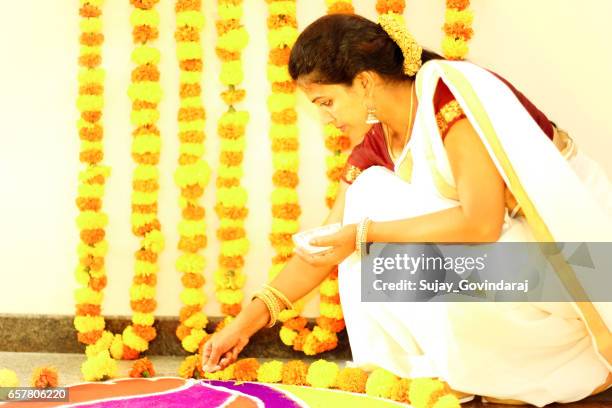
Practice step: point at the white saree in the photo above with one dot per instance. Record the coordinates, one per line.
(537, 353)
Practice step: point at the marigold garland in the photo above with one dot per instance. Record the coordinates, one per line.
(457, 29)
(142, 368)
(192, 174)
(419, 392)
(231, 196)
(45, 377)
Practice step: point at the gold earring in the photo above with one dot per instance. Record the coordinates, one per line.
(372, 118)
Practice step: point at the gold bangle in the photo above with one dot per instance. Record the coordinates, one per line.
(271, 304)
(361, 235)
(280, 295)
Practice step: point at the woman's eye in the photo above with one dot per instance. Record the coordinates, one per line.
(326, 103)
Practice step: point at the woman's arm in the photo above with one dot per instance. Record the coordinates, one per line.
(480, 187)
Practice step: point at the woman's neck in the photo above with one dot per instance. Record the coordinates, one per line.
(394, 109)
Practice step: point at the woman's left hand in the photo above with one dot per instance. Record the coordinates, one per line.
(342, 243)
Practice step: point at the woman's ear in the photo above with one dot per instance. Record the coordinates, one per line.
(364, 83)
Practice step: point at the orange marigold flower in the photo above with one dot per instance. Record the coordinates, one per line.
(231, 262)
(91, 89)
(146, 158)
(188, 90)
(285, 117)
(192, 192)
(91, 116)
(145, 72)
(230, 233)
(186, 159)
(234, 213)
(231, 310)
(146, 129)
(294, 372)
(192, 280)
(89, 337)
(91, 39)
(142, 368)
(93, 156)
(191, 65)
(341, 7)
(192, 244)
(276, 21)
(335, 173)
(89, 11)
(97, 284)
(86, 309)
(182, 331)
(45, 377)
(280, 144)
(300, 339)
(224, 26)
(144, 208)
(90, 60)
(245, 369)
(146, 228)
(280, 239)
(231, 158)
(390, 6)
(400, 390)
(193, 212)
(187, 5)
(297, 323)
(338, 143)
(148, 333)
(459, 30)
(280, 259)
(143, 305)
(145, 185)
(186, 34)
(92, 236)
(458, 4)
(187, 311)
(192, 136)
(233, 96)
(129, 353)
(226, 56)
(230, 131)
(284, 87)
(150, 279)
(144, 4)
(191, 114)
(227, 182)
(93, 133)
(285, 178)
(88, 204)
(352, 380)
(144, 33)
(333, 325)
(287, 211)
(330, 299)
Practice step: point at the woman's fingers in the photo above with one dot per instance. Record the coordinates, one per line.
(214, 354)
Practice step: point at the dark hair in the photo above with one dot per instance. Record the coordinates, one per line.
(336, 47)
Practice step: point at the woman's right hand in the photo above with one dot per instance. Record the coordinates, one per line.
(223, 347)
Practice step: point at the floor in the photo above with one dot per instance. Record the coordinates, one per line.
(69, 368)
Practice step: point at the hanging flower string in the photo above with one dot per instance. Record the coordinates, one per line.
(192, 174)
(457, 29)
(145, 93)
(231, 196)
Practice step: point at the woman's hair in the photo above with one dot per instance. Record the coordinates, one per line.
(336, 47)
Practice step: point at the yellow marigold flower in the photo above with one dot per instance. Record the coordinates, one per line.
(287, 8)
(190, 263)
(329, 287)
(284, 249)
(148, 17)
(87, 50)
(280, 101)
(188, 366)
(285, 161)
(139, 292)
(197, 173)
(82, 277)
(231, 73)
(222, 375)
(191, 102)
(138, 219)
(91, 25)
(332, 189)
(87, 145)
(284, 195)
(229, 11)
(87, 76)
(270, 372)
(134, 341)
(421, 390)
(230, 172)
(192, 125)
(454, 49)
(154, 241)
(188, 50)
(100, 249)
(230, 297)
(229, 280)
(144, 117)
(146, 172)
(190, 18)
(103, 343)
(192, 296)
(230, 145)
(142, 198)
(322, 374)
(90, 102)
(453, 16)
(86, 324)
(94, 171)
(91, 220)
(97, 3)
(148, 91)
(233, 196)
(229, 223)
(190, 77)
(197, 320)
(278, 73)
(238, 118)
(235, 247)
(282, 131)
(285, 226)
(99, 367)
(146, 144)
(336, 160)
(330, 130)
(145, 55)
(287, 336)
(284, 36)
(143, 319)
(8, 378)
(234, 40)
(194, 149)
(189, 228)
(380, 382)
(192, 341)
(88, 295)
(447, 401)
(145, 268)
(331, 310)
(287, 314)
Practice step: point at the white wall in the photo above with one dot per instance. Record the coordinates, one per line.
(555, 51)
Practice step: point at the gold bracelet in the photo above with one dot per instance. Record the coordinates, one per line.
(272, 305)
(280, 295)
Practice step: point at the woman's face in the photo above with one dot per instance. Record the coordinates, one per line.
(340, 105)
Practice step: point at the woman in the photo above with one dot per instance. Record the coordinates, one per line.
(451, 153)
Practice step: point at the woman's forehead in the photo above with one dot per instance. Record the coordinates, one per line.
(314, 90)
